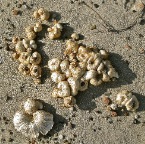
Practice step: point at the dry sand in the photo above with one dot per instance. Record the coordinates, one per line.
(83, 125)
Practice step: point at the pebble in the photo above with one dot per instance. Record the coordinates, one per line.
(106, 100)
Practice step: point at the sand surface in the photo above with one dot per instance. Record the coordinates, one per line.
(84, 125)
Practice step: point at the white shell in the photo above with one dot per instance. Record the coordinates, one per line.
(90, 74)
(56, 76)
(54, 64)
(32, 105)
(33, 125)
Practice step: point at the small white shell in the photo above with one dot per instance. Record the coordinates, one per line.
(32, 105)
(26, 43)
(71, 47)
(69, 101)
(24, 57)
(64, 89)
(104, 54)
(35, 58)
(38, 27)
(112, 73)
(64, 65)
(95, 82)
(75, 36)
(77, 72)
(74, 84)
(31, 35)
(90, 74)
(35, 71)
(24, 69)
(54, 64)
(19, 47)
(56, 76)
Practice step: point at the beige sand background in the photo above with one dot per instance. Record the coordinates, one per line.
(83, 125)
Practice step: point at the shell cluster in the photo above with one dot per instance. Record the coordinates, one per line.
(127, 99)
(81, 66)
(26, 49)
(32, 120)
(29, 58)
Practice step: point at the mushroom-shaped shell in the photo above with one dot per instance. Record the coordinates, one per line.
(35, 58)
(35, 71)
(54, 64)
(33, 125)
(32, 105)
(19, 47)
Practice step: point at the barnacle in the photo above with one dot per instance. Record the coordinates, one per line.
(32, 105)
(69, 101)
(83, 84)
(55, 31)
(71, 47)
(64, 89)
(105, 77)
(31, 35)
(125, 98)
(112, 73)
(75, 36)
(74, 85)
(95, 81)
(64, 65)
(93, 62)
(54, 64)
(24, 58)
(35, 71)
(19, 47)
(90, 74)
(38, 27)
(33, 125)
(104, 54)
(44, 14)
(56, 76)
(35, 58)
(77, 72)
(24, 69)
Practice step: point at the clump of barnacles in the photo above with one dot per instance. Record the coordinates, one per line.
(29, 58)
(81, 66)
(32, 120)
(125, 102)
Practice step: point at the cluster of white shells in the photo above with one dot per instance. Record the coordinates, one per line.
(29, 58)
(81, 66)
(32, 120)
(127, 99)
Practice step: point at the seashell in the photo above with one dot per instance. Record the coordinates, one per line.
(54, 64)
(38, 27)
(64, 65)
(104, 54)
(35, 71)
(100, 68)
(19, 47)
(105, 77)
(83, 84)
(138, 6)
(55, 31)
(31, 35)
(56, 76)
(71, 47)
(24, 69)
(24, 58)
(69, 101)
(35, 58)
(132, 104)
(64, 89)
(93, 63)
(112, 73)
(32, 105)
(33, 45)
(26, 43)
(95, 82)
(33, 125)
(77, 72)
(74, 85)
(90, 74)
(75, 36)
